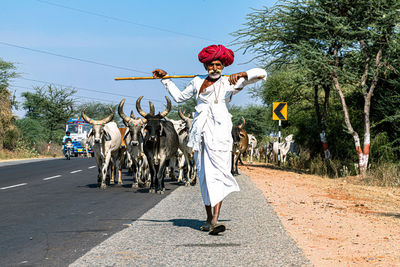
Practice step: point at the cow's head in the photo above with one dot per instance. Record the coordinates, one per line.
(98, 132)
(134, 124)
(238, 133)
(186, 119)
(153, 129)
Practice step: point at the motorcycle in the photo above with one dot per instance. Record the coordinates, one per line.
(68, 148)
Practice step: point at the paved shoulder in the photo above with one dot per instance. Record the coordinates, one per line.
(168, 235)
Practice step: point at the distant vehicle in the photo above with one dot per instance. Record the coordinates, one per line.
(78, 129)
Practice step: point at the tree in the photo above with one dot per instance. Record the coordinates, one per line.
(329, 37)
(187, 107)
(7, 120)
(257, 118)
(385, 112)
(33, 131)
(286, 84)
(52, 106)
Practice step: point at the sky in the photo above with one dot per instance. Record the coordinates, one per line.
(86, 44)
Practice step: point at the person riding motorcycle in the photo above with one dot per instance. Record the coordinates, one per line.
(66, 138)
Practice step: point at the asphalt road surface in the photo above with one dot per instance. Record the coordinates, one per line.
(52, 212)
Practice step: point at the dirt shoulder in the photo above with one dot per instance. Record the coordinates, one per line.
(334, 221)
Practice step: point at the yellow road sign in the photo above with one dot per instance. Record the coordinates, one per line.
(279, 111)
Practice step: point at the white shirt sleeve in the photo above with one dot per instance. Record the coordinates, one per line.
(253, 76)
(178, 95)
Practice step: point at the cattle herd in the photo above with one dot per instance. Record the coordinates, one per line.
(154, 146)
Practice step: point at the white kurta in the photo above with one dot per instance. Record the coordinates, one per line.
(210, 135)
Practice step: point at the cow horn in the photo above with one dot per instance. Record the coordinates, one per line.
(121, 111)
(181, 114)
(86, 118)
(133, 115)
(152, 110)
(139, 108)
(241, 126)
(109, 118)
(168, 109)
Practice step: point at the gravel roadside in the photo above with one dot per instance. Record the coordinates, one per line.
(168, 235)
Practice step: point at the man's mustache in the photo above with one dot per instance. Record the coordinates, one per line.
(215, 72)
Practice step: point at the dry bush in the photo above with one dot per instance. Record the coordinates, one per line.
(318, 166)
(332, 168)
(301, 161)
(54, 150)
(385, 174)
(22, 150)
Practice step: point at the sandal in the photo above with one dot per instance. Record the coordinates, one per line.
(217, 228)
(205, 227)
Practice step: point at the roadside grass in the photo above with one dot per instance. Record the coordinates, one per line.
(384, 174)
(24, 151)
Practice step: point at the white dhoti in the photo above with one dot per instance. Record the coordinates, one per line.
(214, 172)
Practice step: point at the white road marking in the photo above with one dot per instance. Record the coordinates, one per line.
(52, 177)
(11, 186)
(91, 167)
(76, 171)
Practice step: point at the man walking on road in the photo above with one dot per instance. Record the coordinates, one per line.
(210, 134)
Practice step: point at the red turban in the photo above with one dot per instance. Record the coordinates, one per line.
(214, 52)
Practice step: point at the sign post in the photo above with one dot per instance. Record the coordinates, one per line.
(279, 113)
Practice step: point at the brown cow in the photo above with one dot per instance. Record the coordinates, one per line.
(240, 144)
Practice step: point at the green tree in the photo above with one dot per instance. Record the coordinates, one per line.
(7, 120)
(99, 111)
(286, 84)
(331, 36)
(187, 107)
(33, 130)
(385, 111)
(258, 119)
(52, 106)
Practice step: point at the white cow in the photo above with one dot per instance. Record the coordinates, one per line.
(251, 149)
(188, 152)
(185, 153)
(106, 143)
(284, 147)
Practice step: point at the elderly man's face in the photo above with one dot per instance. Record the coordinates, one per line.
(214, 69)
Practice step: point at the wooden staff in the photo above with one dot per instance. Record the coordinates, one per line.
(152, 78)
(165, 77)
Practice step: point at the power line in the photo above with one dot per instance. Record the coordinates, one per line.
(124, 20)
(69, 57)
(90, 90)
(80, 100)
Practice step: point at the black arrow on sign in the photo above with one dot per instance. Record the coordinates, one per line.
(278, 109)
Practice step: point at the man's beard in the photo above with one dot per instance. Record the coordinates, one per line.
(214, 74)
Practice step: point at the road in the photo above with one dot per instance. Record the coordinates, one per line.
(52, 211)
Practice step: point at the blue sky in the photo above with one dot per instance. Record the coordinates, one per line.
(132, 37)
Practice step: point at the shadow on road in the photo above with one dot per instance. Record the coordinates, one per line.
(191, 223)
